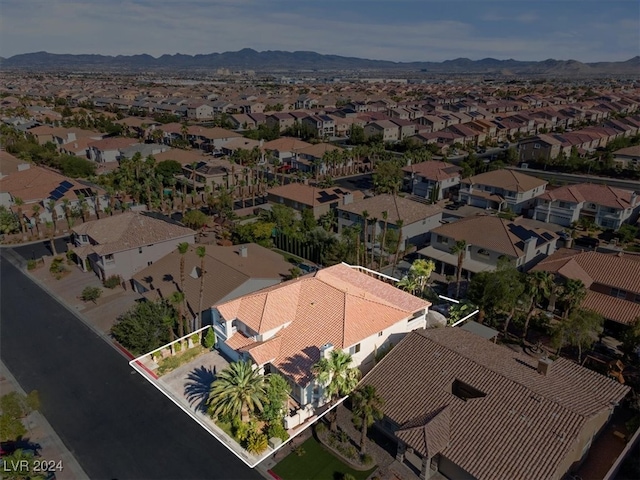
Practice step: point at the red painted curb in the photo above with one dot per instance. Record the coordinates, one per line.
(270, 472)
(124, 350)
(147, 370)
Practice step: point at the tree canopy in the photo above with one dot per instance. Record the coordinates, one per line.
(145, 327)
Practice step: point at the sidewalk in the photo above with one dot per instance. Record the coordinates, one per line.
(39, 431)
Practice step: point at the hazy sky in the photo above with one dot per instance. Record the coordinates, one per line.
(400, 30)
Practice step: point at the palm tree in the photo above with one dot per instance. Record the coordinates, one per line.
(177, 300)
(539, 285)
(409, 283)
(460, 249)
(51, 205)
(374, 227)
(52, 234)
(238, 391)
(182, 249)
(367, 408)
(201, 252)
(19, 203)
(399, 224)
(572, 295)
(35, 210)
(66, 206)
(365, 231)
(337, 376)
(385, 218)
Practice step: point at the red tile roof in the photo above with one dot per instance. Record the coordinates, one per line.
(604, 195)
(434, 170)
(337, 305)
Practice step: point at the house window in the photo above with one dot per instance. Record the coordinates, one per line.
(139, 249)
(109, 257)
(482, 251)
(149, 263)
(618, 293)
(355, 349)
(85, 239)
(380, 333)
(440, 239)
(536, 145)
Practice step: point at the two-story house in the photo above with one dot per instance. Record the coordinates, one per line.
(612, 281)
(288, 328)
(417, 218)
(124, 244)
(109, 149)
(282, 120)
(432, 179)
(389, 131)
(501, 189)
(488, 239)
(323, 125)
(606, 206)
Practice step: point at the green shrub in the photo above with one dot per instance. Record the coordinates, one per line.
(57, 268)
(343, 436)
(91, 294)
(257, 443)
(31, 264)
(112, 282)
(209, 339)
(366, 459)
(277, 430)
(177, 347)
(321, 427)
(348, 476)
(194, 339)
(299, 451)
(171, 363)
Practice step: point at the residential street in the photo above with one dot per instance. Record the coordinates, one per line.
(113, 421)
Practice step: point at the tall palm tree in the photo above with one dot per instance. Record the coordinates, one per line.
(459, 249)
(19, 203)
(35, 210)
(399, 224)
(238, 391)
(374, 227)
(337, 376)
(365, 231)
(572, 294)
(201, 252)
(539, 286)
(367, 408)
(66, 206)
(385, 218)
(177, 300)
(182, 250)
(52, 235)
(51, 205)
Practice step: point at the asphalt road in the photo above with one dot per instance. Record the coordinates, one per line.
(117, 425)
(39, 249)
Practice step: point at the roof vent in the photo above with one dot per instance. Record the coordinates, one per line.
(244, 251)
(195, 273)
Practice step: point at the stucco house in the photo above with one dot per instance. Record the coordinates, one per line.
(287, 328)
(606, 206)
(501, 189)
(417, 218)
(320, 200)
(432, 179)
(488, 239)
(125, 244)
(459, 406)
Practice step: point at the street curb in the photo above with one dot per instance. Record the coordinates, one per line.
(20, 263)
(69, 461)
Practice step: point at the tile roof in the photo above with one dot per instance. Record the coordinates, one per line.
(397, 208)
(317, 150)
(337, 305)
(434, 170)
(604, 195)
(506, 179)
(522, 424)
(36, 183)
(308, 194)
(112, 143)
(285, 144)
(494, 233)
(129, 230)
(600, 270)
(226, 273)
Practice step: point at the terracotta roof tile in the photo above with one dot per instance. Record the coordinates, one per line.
(506, 179)
(434, 170)
(604, 195)
(337, 305)
(400, 208)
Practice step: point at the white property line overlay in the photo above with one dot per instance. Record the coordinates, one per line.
(142, 371)
(358, 267)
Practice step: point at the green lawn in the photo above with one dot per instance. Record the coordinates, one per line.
(316, 464)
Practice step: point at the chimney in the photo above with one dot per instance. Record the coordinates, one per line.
(634, 197)
(244, 251)
(530, 247)
(325, 350)
(544, 366)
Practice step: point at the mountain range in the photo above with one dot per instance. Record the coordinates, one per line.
(281, 60)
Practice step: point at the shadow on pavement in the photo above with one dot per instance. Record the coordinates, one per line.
(198, 386)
